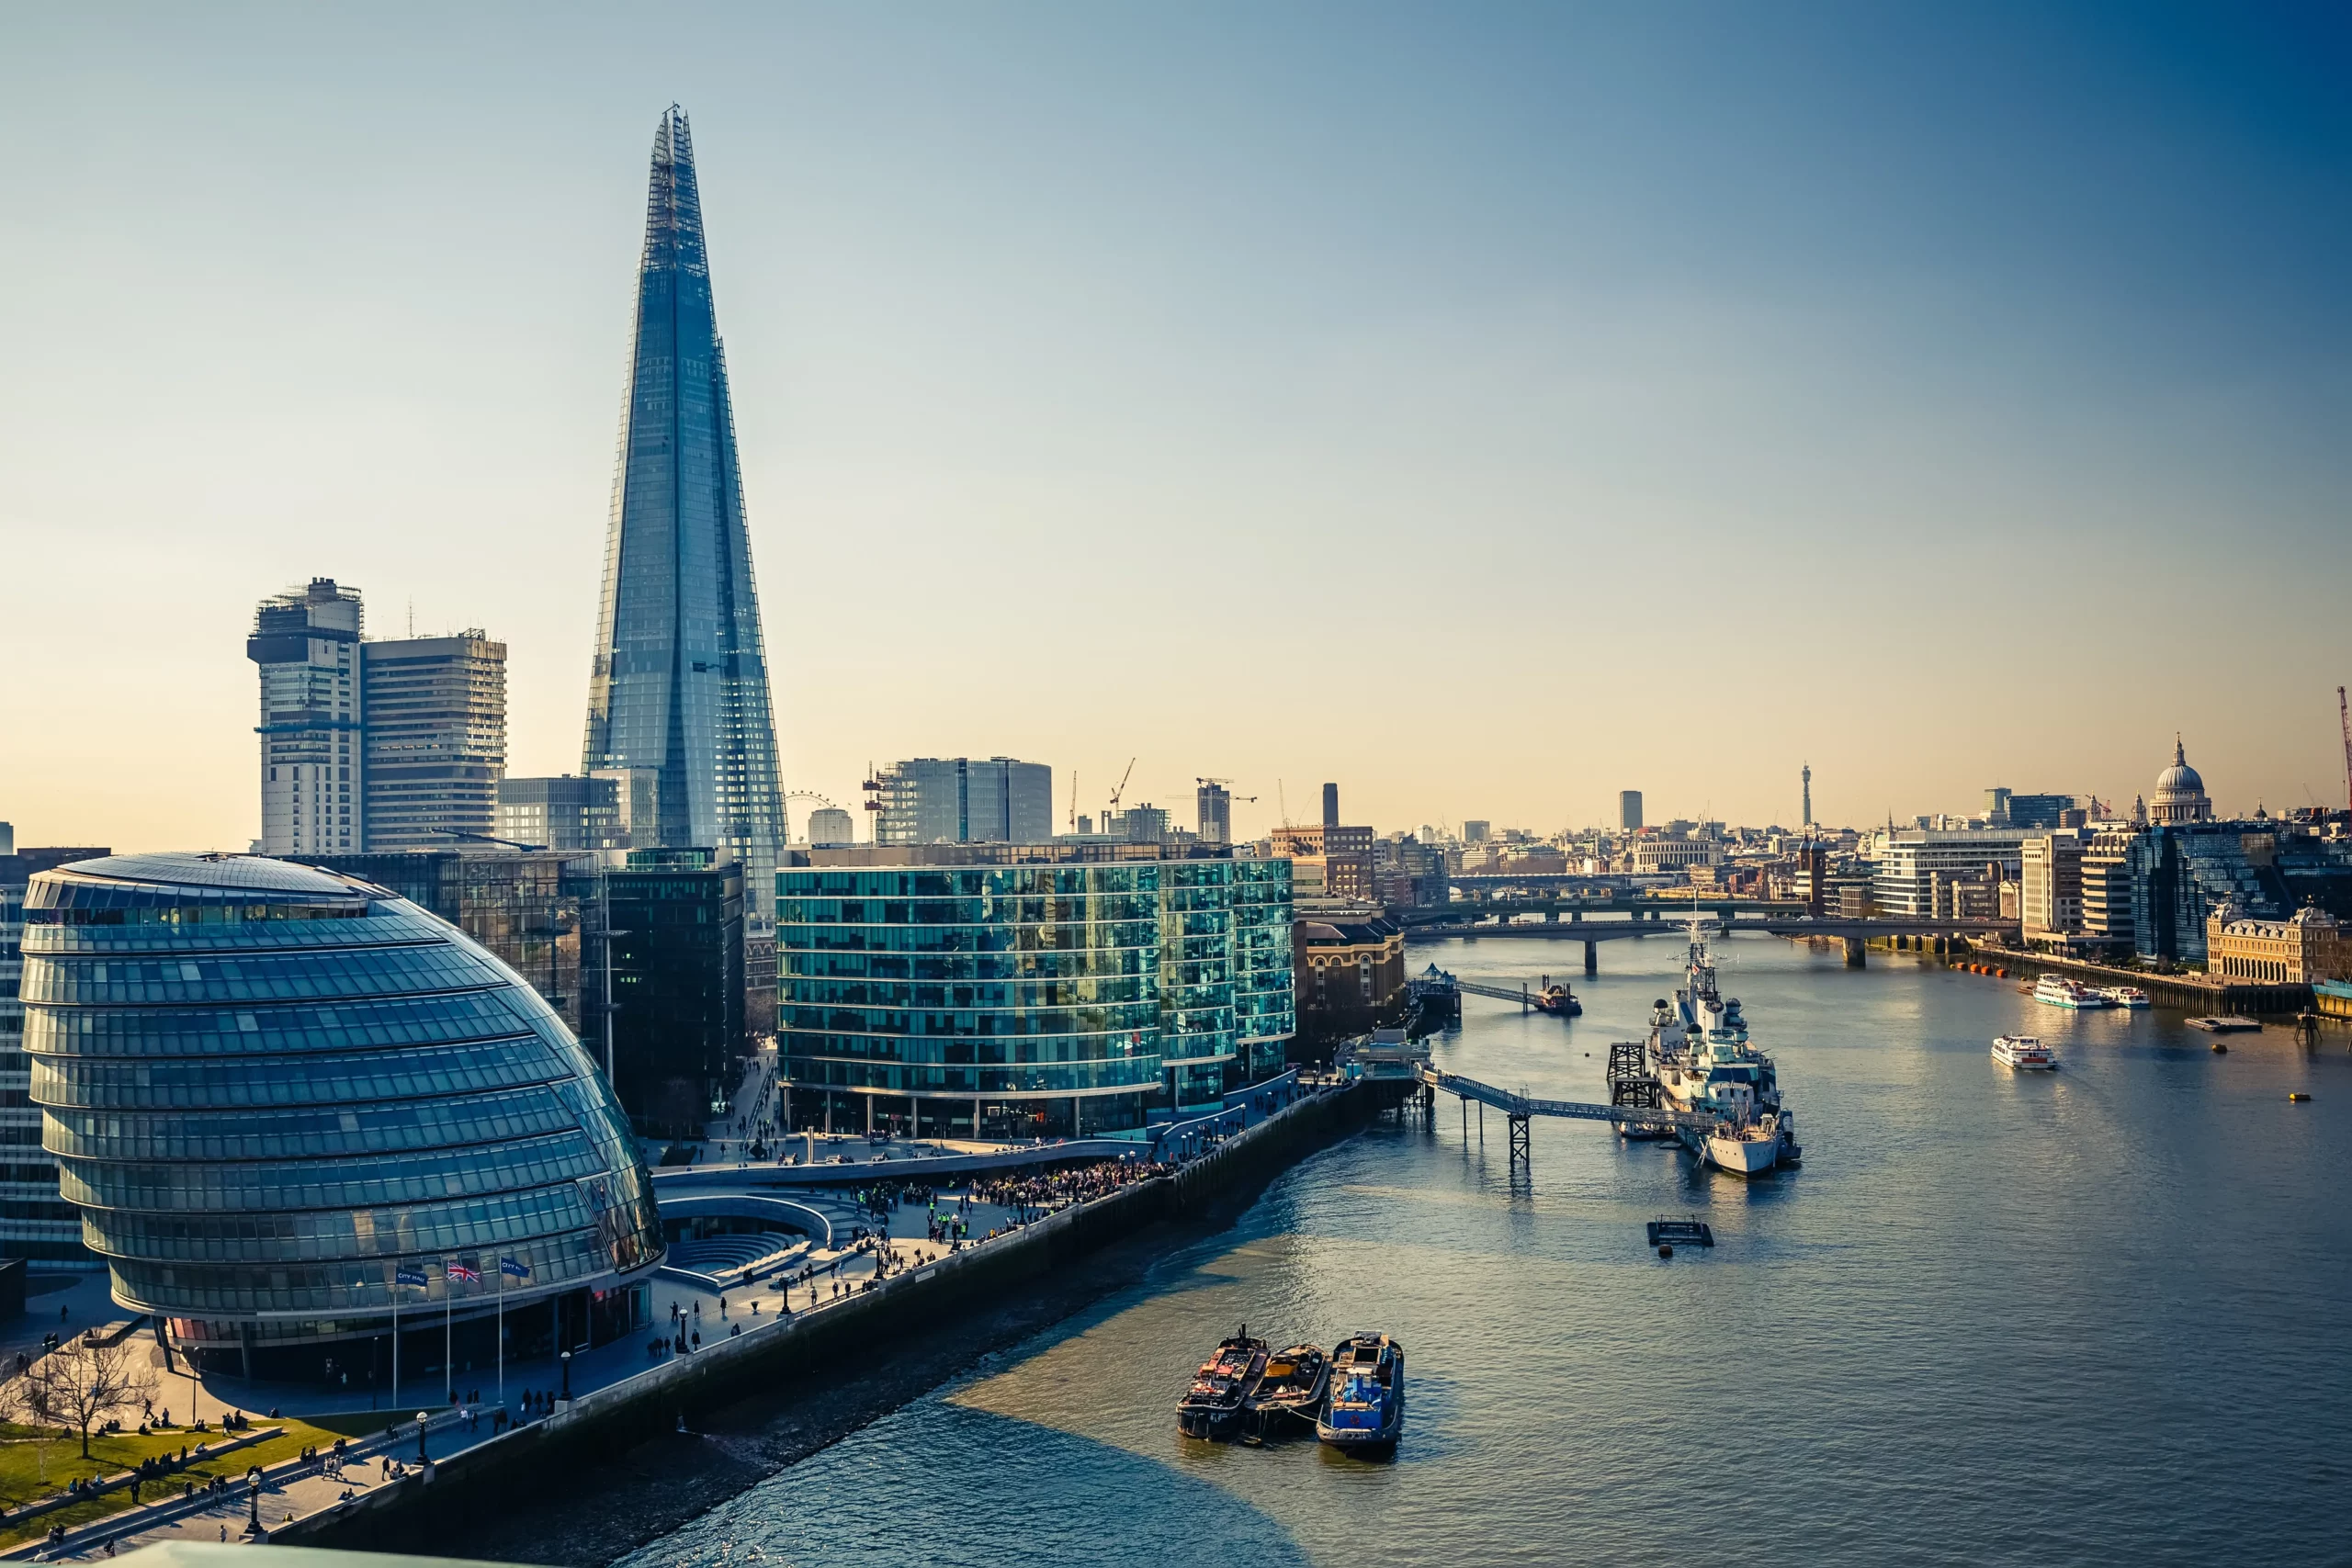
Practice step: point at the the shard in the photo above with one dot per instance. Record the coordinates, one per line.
(680, 681)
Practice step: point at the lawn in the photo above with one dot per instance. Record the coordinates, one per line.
(23, 1455)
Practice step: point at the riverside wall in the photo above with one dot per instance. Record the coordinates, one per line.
(416, 1514)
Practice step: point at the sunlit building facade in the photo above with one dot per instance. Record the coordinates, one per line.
(274, 1092)
(1020, 994)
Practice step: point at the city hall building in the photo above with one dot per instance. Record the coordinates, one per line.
(287, 1103)
(1019, 990)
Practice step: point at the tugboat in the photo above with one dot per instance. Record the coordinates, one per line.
(1291, 1391)
(1366, 1410)
(1211, 1408)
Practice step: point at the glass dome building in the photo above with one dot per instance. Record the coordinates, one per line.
(279, 1098)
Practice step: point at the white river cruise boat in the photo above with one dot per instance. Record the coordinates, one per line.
(1705, 1066)
(2124, 996)
(2024, 1052)
(2060, 992)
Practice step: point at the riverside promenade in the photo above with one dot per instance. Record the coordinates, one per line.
(922, 1289)
(826, 1299)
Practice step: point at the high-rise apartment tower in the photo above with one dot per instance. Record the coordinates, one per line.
(679, 682)
(372, 746)
(1629, 810)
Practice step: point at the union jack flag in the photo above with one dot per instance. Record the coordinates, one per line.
(461, 1269)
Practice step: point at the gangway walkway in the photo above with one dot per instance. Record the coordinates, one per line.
(1524, 995)
(1518, 1109)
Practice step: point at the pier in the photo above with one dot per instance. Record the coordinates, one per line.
(1519, 1110)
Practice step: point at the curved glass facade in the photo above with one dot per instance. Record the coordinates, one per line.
(270, 1088)
(1020, 999)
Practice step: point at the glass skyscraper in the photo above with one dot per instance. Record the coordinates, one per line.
(679, 685)
(286, 1102)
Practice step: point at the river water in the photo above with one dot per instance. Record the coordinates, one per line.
(2101, 1316)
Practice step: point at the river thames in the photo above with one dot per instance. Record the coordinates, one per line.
(2095, 1317)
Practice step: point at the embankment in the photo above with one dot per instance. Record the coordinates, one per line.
(613, 1471)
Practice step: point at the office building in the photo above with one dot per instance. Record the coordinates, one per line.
(306, 642)
(964, 800)
(273, 1093)
(1265, 986)
(1330, 862)
(2008, 808)
(1476, 830)
(1140, 824)
(569, 813)
(1028, 989)
(1629, 811)
(519, 905)
(1330, 805)
(636, 806)
(1909, 858)
(831, 825)
(682, 994)
(433, 718)
(1212, 805)
(2107, 889)
(679, 682)
(2051, 884)
(368, 745)
(35, 1222)
(2308, 945)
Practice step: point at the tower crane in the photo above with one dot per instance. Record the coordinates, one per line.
(1123, 786)
(2344, 713)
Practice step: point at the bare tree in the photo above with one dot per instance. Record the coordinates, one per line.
(79, 1384)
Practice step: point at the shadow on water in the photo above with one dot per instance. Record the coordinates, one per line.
(970, 1504)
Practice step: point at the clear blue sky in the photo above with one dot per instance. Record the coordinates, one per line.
(1490, 408)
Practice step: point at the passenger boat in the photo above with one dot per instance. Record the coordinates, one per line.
(1557, 1000)
(2124, 996)
(1291, 1393)
(2060, 992)
(2024, 1052)
(1699, 1053)
(1212, 1406)
(1366, 1409)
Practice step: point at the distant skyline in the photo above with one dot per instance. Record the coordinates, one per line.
(1490, 411)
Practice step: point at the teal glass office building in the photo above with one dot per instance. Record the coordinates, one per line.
(273, 1091)
(1027, 999)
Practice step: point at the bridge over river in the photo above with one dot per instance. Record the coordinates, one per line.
(1854, 932)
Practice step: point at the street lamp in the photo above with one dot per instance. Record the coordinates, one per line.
(566, 1359)
(253, 1518)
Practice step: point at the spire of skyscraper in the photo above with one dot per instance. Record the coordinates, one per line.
(680, 680)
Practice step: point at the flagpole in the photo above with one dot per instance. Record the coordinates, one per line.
(396, 1336)
(448, 1363)
(502, 1333)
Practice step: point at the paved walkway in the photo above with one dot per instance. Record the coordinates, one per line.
(825, 1275)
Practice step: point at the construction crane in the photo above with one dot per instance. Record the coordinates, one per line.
(1227, 786)
(1118, 791)
(2344, 713)
(1073, 800)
